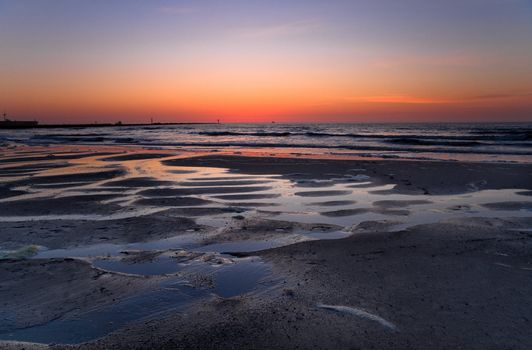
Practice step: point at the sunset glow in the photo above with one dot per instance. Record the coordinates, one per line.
(242, 61)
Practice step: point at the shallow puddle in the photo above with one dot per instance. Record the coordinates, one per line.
(240, 276)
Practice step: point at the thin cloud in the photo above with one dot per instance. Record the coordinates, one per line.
(176, 10)
(401, 99)
(450, 60)
(500, 96)
(408, 99)
(281, 30)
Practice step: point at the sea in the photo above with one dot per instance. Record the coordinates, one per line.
(494, 142)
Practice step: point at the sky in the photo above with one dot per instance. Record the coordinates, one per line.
(64, 61)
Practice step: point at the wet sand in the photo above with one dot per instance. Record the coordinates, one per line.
(72, 286)
(434, 177)
(460, 282)
(57, 234)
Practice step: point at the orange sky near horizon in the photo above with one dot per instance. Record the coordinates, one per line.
(201, 62)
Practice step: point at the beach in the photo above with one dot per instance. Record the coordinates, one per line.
(265, 175)
(124, 247)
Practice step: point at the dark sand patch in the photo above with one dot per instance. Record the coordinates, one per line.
(346, 212)
(236, 197)
(393, 191)
(358, 211)
(181, 171)
(375, 226)
(6, 192)
(33, 166)
(172, 201)
(393, 212)
(500, 224)
(30, 168)
(400, 203)
(322, 193)
(332, 203)
(16, 175)
(161, 192)
(201, 211)
(137, 156)
(84, 204)
(459, 207)
(139, 182)
(260, 229)
(52, 156)
(509, 205)
(62, 185)
(66, 178)
(18, 345)
(253, 204)
(57, 234)
(224, 178)
(223, 183)
(100, 189)
(38, 290)
(412, 177)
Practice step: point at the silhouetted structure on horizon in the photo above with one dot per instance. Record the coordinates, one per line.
(12, 124)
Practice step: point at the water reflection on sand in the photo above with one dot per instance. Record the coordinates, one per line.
(238, 212)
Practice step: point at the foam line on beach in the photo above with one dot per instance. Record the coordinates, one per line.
(358, 313)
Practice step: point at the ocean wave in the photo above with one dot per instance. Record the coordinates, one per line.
(69, 135)
(521, 136)
(60, 138)
(387, 140)
(404, 144)
(504, 134)
(128, 140)
(235, 133)
(433, 142)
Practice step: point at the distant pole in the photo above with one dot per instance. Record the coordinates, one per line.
(218, 121)
(151, 120)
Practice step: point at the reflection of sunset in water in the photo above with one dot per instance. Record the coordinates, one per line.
(147, 184)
